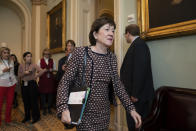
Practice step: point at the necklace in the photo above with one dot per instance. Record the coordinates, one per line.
(6, 63)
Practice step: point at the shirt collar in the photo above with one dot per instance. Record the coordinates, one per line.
(134, 38)
(46, 59)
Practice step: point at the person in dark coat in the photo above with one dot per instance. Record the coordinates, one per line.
(136, 74)
(101, 68)
(47, 85)
(70, 45)
(62, 64)
(16, 65)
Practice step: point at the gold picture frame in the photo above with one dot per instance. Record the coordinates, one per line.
(185, 25)
(56, 19)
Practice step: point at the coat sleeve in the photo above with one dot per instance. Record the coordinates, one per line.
(66, 81)
(60, 65)
(141, 58)
(119, 88)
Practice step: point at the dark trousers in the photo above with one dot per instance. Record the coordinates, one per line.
(15, 102)
(46, 100)
(30, 100)
(143, 108)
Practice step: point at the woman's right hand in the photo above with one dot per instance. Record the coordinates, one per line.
(6, 69)
(137, 118)
(65, 118)
(26, 72)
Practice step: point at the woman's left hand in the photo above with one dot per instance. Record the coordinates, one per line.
(137, 118)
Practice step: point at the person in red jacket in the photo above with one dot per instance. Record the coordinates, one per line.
(47, 81)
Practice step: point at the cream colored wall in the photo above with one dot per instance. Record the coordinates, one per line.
(86, 17)
(28, 4)
(11, 30)
(52, 3)
(20, 12)
(129, 7)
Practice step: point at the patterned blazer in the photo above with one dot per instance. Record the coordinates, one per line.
(99, 86)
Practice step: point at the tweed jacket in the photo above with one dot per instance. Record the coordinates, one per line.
(100, 69)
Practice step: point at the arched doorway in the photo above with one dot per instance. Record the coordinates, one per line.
(16, 19)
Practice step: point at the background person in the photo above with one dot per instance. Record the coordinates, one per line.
(17, 89)
(47, 85)
(7, 82)
(136, 74)
(70, 45)
(29, 72)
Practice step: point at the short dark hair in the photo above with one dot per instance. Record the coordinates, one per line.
(132, 29)
(97, 24)
(69, 41)
(26, 53)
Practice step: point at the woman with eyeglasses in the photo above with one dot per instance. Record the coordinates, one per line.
(47, 81)
(7, 82)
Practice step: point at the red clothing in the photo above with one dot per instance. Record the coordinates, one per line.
(47, 80)
(7, 92)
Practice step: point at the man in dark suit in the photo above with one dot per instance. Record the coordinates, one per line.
(69, 48)
(136, 74)
(70, 45)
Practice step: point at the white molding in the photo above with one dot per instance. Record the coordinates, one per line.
(74, 21)
(27, 23)
(37, 32)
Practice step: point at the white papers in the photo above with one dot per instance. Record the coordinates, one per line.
(76, 97)
(25, 83)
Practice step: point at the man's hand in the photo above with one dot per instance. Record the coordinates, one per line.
(137, 118)
(65, 118)
(64, 67)
(134, 99)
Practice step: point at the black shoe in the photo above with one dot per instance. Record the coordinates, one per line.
(49, 111)
(25, 120)
(36, 120)
(67, 126)
(15, 105)
(15, 102)
(44, 112)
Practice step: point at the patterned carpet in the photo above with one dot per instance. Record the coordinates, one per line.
(47, 123)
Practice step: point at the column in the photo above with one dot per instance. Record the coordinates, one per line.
(39, 24)
(120, 117)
